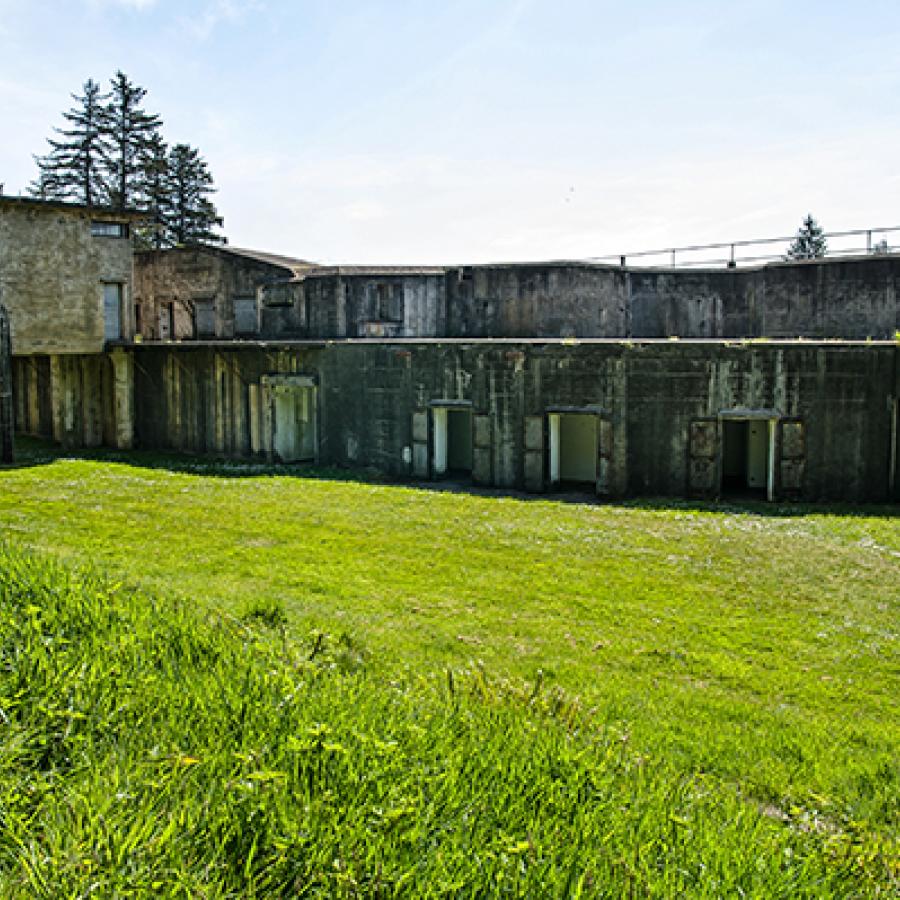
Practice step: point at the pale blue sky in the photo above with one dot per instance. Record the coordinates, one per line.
(452, 131)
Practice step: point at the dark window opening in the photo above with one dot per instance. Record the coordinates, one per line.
(205, 318)
(109, 229)
(112, 311)
(386, 302)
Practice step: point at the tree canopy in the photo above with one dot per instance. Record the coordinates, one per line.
(111, 152)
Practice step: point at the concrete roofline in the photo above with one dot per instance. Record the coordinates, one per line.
(739, 343)
(63, 205)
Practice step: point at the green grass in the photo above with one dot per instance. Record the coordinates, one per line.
(150, 751)
(745, 655)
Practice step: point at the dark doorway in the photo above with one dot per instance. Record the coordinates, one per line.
(452, 431)
(745, 457)
(459, 441)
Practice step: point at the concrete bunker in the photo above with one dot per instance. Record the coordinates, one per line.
(452, 447)
(748, 453)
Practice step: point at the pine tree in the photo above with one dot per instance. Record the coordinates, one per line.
(193, 215)
(129, 130)
(155, 196)
(73, 170)
(810, 241)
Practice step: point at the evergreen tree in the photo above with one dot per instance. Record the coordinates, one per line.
(155, 196)
(129, 130)
(73, 170)
(192, 215)
(810, 241)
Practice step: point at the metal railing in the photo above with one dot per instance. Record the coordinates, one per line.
(839, 243)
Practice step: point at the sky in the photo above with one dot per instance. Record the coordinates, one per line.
(453, 131)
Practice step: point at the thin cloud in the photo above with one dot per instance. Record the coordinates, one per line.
(219, 12)
(137, 5)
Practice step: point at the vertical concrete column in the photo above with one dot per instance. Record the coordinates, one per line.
(33, 401)
(219, 392)
(253, 397)
(6, 390)
(57, 398)
(90, 401)
(123, 395)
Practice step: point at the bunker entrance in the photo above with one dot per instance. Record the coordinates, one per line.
(574, 445)
(747, 457)
(452, 441)
(294, 438)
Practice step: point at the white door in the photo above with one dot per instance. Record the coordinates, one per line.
(757, 453)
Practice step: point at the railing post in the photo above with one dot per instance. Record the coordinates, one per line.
(868, 242)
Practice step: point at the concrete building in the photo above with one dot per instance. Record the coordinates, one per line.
(66, 281)
(208, 292)
(778, 382)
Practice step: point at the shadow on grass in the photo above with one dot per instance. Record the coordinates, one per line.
(31, 452)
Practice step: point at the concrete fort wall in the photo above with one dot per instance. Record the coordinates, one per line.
(662, 414)
(78, 400)
(211, 293)
(853, 298)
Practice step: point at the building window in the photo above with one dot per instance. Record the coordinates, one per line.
(205, 318)
(112, 312)
(386, 302)
(245, 321)
(109, 229)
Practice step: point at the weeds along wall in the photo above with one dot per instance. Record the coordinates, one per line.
(660, 412)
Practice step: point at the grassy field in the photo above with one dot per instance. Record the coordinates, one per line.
(744, 659)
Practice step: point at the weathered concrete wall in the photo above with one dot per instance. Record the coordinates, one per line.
(6, 402)
(833, 298)
(351, 302)
(78, 400)
(185, 278)
(52, 272)
(660, 408)
(207, 399)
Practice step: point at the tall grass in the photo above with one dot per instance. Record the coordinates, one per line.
(151, 750)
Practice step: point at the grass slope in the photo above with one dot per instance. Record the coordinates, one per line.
(151, 751)
(755, 651)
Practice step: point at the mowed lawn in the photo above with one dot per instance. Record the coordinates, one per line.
(755, 645)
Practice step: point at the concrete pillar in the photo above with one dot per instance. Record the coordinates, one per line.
(57, 398)
(91, 401)
(123, 390)
(6, 397)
